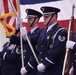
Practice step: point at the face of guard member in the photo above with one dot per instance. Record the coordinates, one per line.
(30, 20)
(33, 21)
(47, 18)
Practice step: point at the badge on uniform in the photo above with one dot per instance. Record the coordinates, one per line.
(61, 38)
(18, 50)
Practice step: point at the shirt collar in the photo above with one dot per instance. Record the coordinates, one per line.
(33, 29)
(49, 27)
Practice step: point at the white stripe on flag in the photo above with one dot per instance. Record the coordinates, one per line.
(12, 20)
(1, 7)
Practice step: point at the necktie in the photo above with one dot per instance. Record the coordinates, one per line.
(46, 29)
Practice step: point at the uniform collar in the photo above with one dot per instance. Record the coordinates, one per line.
(50, 27)
(33, 29)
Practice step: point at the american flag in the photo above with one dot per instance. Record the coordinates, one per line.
(7, 16)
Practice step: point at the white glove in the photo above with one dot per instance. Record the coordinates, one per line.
(41, 67)
(23, 31)
(23, 70)
(70, 44)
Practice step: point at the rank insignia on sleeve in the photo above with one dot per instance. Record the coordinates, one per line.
(61, 38)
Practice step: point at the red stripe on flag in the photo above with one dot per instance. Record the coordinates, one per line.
(15, 4)
(5, 2)
(14, 24)
(8, 19)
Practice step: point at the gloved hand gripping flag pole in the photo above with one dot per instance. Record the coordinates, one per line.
(25, 36)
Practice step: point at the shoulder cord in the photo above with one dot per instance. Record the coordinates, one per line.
(52, 37)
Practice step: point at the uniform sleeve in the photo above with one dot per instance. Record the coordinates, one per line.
(32, 64)
(1, 54)
(74, 48)
(11, 56)
(74, 39)
(4, 50)
(58, 50)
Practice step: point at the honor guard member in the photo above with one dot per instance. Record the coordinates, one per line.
(72, 45)
(51, 44)
(33, 18)
(10, 55)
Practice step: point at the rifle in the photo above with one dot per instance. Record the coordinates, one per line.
(68, 55)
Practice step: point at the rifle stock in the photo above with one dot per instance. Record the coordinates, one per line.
(68, 55)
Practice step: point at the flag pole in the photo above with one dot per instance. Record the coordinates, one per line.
(25, 36)
(20, 36)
